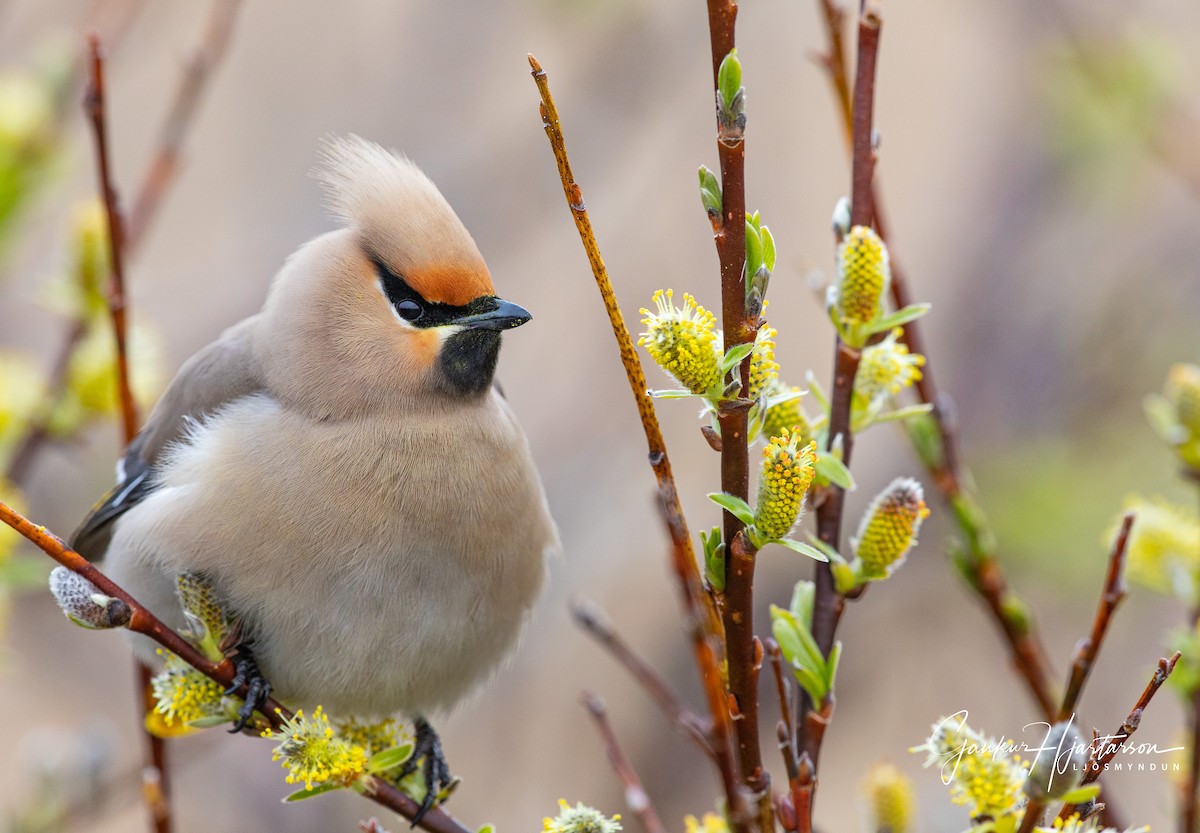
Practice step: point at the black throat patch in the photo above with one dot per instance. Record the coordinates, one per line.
(468, 361)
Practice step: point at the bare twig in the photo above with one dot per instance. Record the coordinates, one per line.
(629, 358)
(94, 104)
(979, 562)
(785, 700)
(165, 164)
(1110, 597)
(594, 622)
(635, 793)
(1105, 748)
(146, 623)
(721, 735)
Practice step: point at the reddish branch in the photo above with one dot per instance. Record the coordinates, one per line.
(629, 358)
(705, 648)
(1110, 597)
(146, 623)
(980, 564)
(593, 621)
(1105, 748)
(729, 234)
(635, 793)
(94, 104)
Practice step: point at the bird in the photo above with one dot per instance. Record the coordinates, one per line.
(343, 471)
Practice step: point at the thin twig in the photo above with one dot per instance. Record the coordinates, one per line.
(635, 794)
(146, 623)
(162, 168)
(1105, 748)
(705, 650)
(594, 622)
(629, 357)
(979, 562)
(1110, 597)
(785, 699)
(94, 104)
(834, 61)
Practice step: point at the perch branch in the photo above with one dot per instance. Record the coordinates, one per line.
(635, 793)
(593, 621)
(146, 623)
(633, 367)
(1110, 597)
(980, 563)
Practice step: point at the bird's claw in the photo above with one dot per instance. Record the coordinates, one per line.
(258, 688)
(427, 753)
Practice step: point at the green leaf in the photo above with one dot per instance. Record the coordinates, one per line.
(809, 654)
(801, 606)
(785, 629)
(831, 553)
(710, 192)
(714, 558)
(803, 549)
(899, 318)
(831, 666)
(845, 578)
(828, 467)
(671, 394)
(810, 682)
(1079, 795)
(488, 828)
(729, 78)
(768, 247)
(734, 356)
(754, 248)
(390, 758)
(900, 414)
(818, 392)
(209, 722)
(304, 795)
(734, 505)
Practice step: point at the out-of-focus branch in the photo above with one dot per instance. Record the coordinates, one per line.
(165, 164)
(629, 358)
(1110, 597)
(635, 793)
(1105, 748)
(593, 621)
(979, 562)
(141, 620)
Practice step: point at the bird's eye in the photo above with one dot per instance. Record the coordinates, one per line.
(409, 310)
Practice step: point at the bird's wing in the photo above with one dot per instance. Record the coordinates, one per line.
(220, 373)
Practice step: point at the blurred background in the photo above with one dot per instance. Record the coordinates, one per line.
(1041, 168)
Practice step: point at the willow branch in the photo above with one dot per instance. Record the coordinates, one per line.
(980, 564)
(596, 625)
(1110, 597)
(178, 123)
(657, 447)
(144, 622)
(1105, 748)
(94, 104)
(705, 648)
(635, 793)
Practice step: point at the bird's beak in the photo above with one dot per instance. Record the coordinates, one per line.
(504, 316)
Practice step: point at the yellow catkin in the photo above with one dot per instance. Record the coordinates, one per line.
(891, 799)
(981, 774)
(684, 342)
(764, 370)
(183, 694)
(863, 275)
(580, 819)
(887, 368)
(889, 527)
(786, 473)
(1163, 550)
(786, 413)
(313, 753)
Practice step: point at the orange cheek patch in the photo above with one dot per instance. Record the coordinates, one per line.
(450, 283)
(423, 345)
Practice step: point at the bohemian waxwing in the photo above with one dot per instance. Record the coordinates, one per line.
(342, 469)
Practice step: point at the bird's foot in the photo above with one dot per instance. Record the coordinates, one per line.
(258, 688)
(428, 756)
